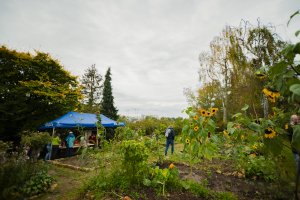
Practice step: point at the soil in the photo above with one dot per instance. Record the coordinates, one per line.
(79, 161)
(218, 175)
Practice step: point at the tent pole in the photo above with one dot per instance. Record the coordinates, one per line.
(97, 138)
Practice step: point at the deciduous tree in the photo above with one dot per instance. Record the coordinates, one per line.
(33, 90)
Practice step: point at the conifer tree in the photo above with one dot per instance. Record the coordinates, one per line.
(91, 89)
(107, 103)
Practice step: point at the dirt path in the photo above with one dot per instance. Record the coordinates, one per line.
(68, 183)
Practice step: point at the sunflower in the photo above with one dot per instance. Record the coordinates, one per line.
(171, 166)
(208, 114)
(203, 112)
(269, 133)
(187, 141)
(271, 95)
(196, 117)
(225, 133)
(214, 110)
(196, 128)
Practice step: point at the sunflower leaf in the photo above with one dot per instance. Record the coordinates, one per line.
(295, 88)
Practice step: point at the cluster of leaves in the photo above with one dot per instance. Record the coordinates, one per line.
(163, 177)
(283, 76)
(37, 184)
(36, 141)
(41, 86)
(134, 161)
(16, 171)
(152, 125)
(256, 144)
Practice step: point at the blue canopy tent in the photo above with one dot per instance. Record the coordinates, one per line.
(75, 119)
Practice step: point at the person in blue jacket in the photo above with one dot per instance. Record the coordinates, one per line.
(70, 143)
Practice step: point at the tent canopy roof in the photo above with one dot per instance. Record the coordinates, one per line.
(75, 119)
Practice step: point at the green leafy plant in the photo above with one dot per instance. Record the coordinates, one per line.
(36, 141)
(134, 160)
(37, 184)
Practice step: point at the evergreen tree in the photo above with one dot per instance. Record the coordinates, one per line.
(107, 103)
(91, 89)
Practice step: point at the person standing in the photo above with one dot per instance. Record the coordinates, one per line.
(48, 148)
(70, 143)
(55, 146)
(170, 136)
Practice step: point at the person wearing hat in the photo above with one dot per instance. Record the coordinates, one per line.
(70, 143)
(170, 135)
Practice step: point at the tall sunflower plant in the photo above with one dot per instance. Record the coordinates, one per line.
(198, 135)
(256, 135)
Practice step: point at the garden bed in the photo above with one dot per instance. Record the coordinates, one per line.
(77, 162)
(219, 176)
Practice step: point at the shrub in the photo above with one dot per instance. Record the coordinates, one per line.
(134, 160)
(15, 172)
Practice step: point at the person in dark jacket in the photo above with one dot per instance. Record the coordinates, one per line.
(170, 135)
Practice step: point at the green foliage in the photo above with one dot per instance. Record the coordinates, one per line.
(107, 103)
(16, 171)
(166, 178)
(33, 90)
(134, 161)
(259, 166)
(35, 140)
(152, 125)
(125, 133)
(37, 184)
(202, 191)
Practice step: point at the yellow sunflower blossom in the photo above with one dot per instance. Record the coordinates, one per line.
(208, 114)
(269, 133)
(271, 95)
(196, 117)
(187, 141)
(196, 128)
(171, 166)
(203, 112)
(214, 110)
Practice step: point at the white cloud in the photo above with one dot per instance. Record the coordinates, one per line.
(151, 46)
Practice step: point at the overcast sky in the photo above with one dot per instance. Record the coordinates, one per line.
(152, 46)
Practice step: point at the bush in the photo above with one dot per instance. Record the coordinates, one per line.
(134, 162)
(36, 141)
(15, 172)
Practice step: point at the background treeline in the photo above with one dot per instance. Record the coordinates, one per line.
(232, 71)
